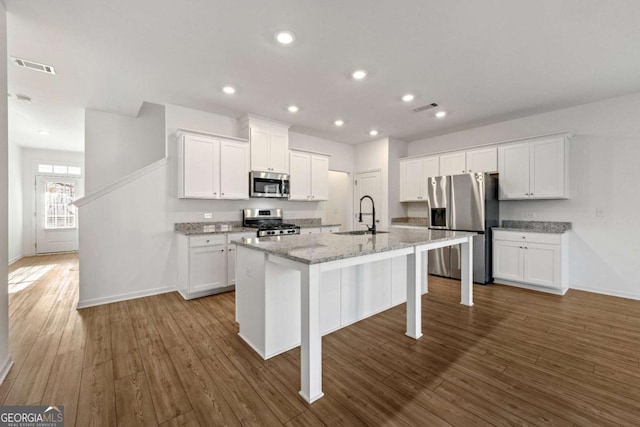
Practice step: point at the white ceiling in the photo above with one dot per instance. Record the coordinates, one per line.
(483, 61)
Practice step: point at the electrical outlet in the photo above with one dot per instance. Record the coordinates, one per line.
(208, 215)
(600, 212)
(529, 215)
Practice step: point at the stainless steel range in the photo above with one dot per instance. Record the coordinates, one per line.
(268, 222)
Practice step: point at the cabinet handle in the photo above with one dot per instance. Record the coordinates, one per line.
(207, 241)
(524, 237)
(215, 194)
(221, 250)
(531, 194)
(526, 247)
(222, 194)
(469, 170)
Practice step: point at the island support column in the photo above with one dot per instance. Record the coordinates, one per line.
(466, 282)
(311, 337)
(415, 272)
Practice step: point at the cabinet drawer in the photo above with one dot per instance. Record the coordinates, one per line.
(517, 236)
(237, 236)
(207, 240)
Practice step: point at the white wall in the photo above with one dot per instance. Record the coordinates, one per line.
(127, 242)
(5, 357)
(604, 173)
(31, 157)
(341, 154)
(397, 150)
(120, 145)
(16, 231)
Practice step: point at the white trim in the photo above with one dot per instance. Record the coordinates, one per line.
(554, 291)
(6, 367)
(15, 259)
(609, 292)
(310, 152)
(180, 131)
(567, 134)
(127, 179)
(124, 297)
(247, 118)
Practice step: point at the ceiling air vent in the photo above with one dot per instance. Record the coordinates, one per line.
(424, 107)
(34, 65)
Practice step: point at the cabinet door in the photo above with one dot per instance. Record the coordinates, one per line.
(547, 169)
(279, 152)
(485, 160)
(259, 149)
(231, 264)
(453, 164)
(234, 170)
(513, 166)
(411, 180)
(430, 167)
(507, 260)
(200, 156)
(299, 183)
(542, 264)
(207, 268)
(319, 178)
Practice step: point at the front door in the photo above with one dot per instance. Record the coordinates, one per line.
(369, 183)
(56, 218)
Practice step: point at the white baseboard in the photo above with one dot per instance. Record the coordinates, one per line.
(15, 259)
(124, 297)
(610, 292)
(5, 368)
(554, 291)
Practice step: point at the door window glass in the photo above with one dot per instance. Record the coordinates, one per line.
(59, 213)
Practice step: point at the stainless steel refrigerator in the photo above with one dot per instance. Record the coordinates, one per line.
(467, 202)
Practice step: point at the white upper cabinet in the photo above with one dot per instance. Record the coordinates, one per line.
(482, 160)
(234, 170)
(308, 176)
(269, 143)
(413, 177)
(534, 170)
(197, 177)
(212, 167)
(453, 163)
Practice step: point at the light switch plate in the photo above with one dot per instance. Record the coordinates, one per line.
(208, 215)
(529, 215)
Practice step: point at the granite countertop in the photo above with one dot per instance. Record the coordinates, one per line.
(317, 248)
(226, 227)
(197, 228)
(554, 227)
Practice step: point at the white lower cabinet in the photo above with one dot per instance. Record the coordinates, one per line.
(533, 260)
(310, 230)
(206, 263)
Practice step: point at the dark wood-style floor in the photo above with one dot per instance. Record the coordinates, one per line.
(516, 357)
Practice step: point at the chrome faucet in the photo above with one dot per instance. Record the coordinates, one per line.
(372, 229)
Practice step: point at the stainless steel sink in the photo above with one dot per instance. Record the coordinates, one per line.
(359, 232)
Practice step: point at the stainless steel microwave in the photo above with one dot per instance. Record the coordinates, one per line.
(268, 184)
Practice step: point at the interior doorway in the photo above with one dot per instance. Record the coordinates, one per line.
(369, 183)
(339, 207)
(56, 217)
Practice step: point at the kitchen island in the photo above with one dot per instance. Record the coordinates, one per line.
(280, 282)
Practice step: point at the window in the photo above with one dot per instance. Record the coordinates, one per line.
(59, 170)
(59, 213)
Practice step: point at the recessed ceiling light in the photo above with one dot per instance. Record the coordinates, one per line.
(285, 37)
(339, 122)
(440, 114)
(229, 90)
(373, 132)
(408, 97)
(359, 74)
(44, 132)
(293, 108)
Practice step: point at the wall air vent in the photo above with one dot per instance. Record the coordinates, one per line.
(424, 107)
(34, 65)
